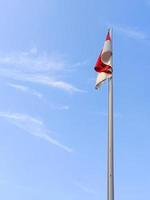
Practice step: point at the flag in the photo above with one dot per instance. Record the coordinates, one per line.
(104, 63)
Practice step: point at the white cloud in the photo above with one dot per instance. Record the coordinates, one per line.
(25, 89)
(3, 182)
(85, 188)
(148, 2)
(131, 32)
(59, 107)
(63, 107)
(116, 115)
(39, 79)
(34, 127)
(34, 51)
(36, 68)
(32, 61)
(11, 184)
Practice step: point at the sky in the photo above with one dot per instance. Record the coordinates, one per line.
(53, 138)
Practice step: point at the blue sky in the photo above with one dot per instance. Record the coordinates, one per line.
(53, 123)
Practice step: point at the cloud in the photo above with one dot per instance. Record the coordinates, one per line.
(36, 68)
(39, 79)
(10, 184)
(59, 107)
(25, 89)
(3, 182)
(32, 61)
(34, 127)
(148, 2)
(116, 115)
(85, 188)
(105, 114)
(130, 32)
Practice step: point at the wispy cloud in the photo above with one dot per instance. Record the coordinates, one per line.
(85, 188)
(36, 68)
(116, 115)
(131, 32)
(59, 107)
(105, 114)
(14, 185)
(33, 61)
(148, 2)
(34, 127)
(25, 89)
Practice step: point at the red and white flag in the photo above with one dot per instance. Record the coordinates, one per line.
(104, 63)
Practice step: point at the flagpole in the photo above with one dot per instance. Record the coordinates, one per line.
(110, 162)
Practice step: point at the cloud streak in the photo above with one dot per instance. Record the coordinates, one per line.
(29, 91)
(25, 89)
(35, 68)
(14, 185)
(34, 127)
(85, 188)
(33, 61)
(116, 115)
(131, 32)
(59, 107)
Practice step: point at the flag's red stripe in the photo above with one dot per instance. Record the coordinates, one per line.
(101, 67)
(108, 36)
(107, 69)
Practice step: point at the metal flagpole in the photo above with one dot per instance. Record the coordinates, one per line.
(110, 162)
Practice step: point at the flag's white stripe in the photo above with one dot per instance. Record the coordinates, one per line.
(101, 78)
(106, 55)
